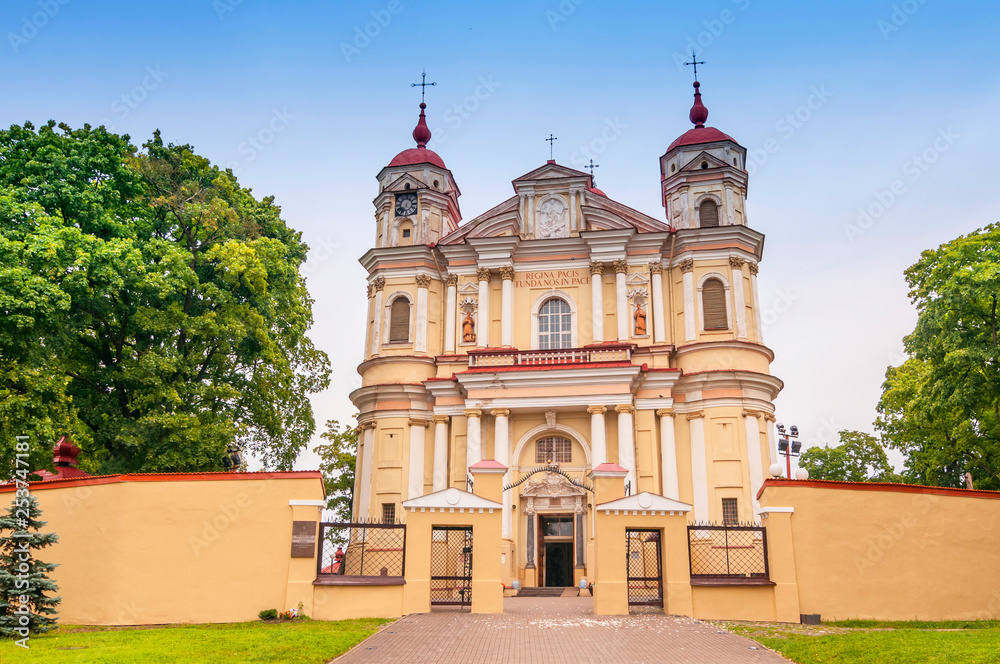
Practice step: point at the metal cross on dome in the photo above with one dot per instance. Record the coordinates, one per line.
(551, 139)
(695, 62)
(423, 85)
(590, 167)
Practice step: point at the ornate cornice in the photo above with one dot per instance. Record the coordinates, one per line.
(451, 280)
(500, 412)
(753, 268)
(736, 262)
(656, 268)
(483, 274)
(665, 412)
(423, 281)
(594, 410)
(596, 267)
(686, 265)
(620, 266)
(507, 273)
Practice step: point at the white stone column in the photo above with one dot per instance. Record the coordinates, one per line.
(699, 466)
(758, 327)
(483, 312)
(626, 445)
(378, 284)
(415, 483)
(621, 299)
(367, 454)
(597, 299)
(687, 275)
(739, 301)
(420, 334)
(730, 211)
(531, 214)
(450, 313)
(501, 453)
(507, 307)
(440, 478)
(659, 320)
(668, 455)
(598, 438)
(772, 440)
(473, 440)
(755, 466)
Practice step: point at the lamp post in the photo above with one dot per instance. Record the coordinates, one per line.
(789, 446)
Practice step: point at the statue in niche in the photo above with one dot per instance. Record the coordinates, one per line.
(468, 328)
(640, 320)
(552, 219)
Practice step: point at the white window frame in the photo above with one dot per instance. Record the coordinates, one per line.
(536, 308)
(387, 320)
(701, 304)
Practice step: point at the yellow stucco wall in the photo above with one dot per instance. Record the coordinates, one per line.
(163, 549)
(901, 554)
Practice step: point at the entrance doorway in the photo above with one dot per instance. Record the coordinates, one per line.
(557, 550)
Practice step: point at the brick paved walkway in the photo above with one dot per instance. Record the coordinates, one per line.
(543, 629)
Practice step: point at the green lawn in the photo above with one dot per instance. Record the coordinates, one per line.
(870, 642)
(298, 642)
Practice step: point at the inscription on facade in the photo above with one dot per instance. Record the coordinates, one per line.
(303, 539)
(552, 278)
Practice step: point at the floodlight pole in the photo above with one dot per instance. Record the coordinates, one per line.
(788, 453)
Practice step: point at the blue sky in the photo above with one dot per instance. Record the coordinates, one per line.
(871, 128)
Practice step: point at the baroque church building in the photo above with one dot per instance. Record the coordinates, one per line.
(562, 331)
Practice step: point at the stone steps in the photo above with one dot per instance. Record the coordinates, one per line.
(542, 592)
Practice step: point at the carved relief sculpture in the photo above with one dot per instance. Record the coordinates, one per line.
(552, 218)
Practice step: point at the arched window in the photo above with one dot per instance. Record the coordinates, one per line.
(708, 214)
(399, 321)
(554, 449)
(555, 325)
(713, 303)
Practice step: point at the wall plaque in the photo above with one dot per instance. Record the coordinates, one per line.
(304, 539)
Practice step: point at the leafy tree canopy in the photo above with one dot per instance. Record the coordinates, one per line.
(338, 459)
(942, 406)
(152, 308)
(858, 458)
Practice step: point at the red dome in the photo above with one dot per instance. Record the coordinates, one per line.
(417, 156)
(595, 190)
(700, 135)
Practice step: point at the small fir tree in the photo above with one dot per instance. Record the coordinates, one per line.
(22, 574)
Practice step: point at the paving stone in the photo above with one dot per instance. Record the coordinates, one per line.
(544, 629)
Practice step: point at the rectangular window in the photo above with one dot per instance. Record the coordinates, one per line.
(554, 450)
(388, 512)
(730, 512)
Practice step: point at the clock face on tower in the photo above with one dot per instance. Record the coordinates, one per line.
(406, 205)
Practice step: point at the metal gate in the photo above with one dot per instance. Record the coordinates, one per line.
(451, 565)
(644, 569)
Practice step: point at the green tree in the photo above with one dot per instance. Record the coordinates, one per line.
(858, 458)
(26, 604)
(942, 406)
(155, 309)
(338, 460)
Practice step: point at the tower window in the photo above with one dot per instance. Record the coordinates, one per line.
(713, 304)
(555, 325)
(389, 512)
(708, 214)
(399, 321)
(704, 164)
(555, 449)
(730, 511)
(406, 232)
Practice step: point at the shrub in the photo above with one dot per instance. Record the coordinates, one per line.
(268, 614)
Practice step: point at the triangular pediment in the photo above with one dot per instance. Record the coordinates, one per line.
(549, 171)
(399, 184)
(704, 157)
(645, 501)
(451, 498)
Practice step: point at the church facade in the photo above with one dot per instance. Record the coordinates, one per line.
(559, 331)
